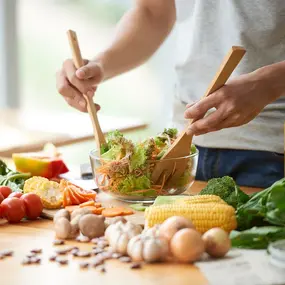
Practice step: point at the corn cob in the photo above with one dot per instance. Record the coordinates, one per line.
(48, 191)
(197, 199)
(204, 216)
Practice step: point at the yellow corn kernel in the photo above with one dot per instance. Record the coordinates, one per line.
(195, 199)
(204, 216)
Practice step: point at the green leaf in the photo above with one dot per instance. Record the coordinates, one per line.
(138, 207)
(132, 183)
(161, 200)
(257, 237)
(138, 158)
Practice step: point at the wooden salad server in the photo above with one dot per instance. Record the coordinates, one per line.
(78, 62)
(169, 169)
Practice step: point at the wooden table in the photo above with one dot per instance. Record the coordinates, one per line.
(39, 234)
(29, 131)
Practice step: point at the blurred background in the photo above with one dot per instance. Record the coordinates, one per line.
(33, 47)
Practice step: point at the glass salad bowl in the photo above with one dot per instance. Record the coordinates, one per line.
(129, 182)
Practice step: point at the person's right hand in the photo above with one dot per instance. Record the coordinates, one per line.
(72, 83)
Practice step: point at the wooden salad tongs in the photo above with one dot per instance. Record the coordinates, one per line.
(169, 169)
(78, 62)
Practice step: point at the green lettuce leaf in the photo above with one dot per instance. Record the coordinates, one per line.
(132, 183)
(138, 158)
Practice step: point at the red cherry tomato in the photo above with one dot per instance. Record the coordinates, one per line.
(16, 195)
(13, 209)
(33, 205)
(5, 191)
(1, 198)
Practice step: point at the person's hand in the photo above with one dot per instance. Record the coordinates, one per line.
(72, 83)
(236, 104)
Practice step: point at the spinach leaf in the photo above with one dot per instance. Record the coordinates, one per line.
(265, 207)
(257, 237)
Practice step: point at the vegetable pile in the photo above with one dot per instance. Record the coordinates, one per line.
(259, 218)
(126, 167)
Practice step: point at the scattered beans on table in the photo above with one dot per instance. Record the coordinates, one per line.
(125, 259)
(7, 253)
(136, 265)
(62, 261)
(84, 265)
(36, 251)
(83, 239)
(82, 254)
(58, 242)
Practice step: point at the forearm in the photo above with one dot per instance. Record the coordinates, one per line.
(139, 34)
(274, 76)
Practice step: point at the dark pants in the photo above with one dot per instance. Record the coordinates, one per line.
(247, 167)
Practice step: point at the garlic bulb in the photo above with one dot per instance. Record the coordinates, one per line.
(120, 233)
(148, 248)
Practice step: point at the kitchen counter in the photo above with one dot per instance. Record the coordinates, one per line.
(28, 235)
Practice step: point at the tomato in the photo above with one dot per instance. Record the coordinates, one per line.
(1, 198)
(33, 205)
(5, 191)
(13, 209)
(16, 195)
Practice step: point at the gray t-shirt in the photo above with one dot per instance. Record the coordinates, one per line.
(206, 31)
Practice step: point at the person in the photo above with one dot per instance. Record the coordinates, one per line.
(239, 128)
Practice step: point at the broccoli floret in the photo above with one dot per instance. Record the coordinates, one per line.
(226, 189)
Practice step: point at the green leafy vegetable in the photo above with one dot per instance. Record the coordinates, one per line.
(132, 183)
(138, 158)
(12, 179)
(138, 207)
(265, 207)
(257, 237)
(161, 200)
(226, 188)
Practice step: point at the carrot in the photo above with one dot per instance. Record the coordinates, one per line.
(94, 210)
(88, 203)
(71, 208)
(99, 210)
(116, 211)
(73, 198)
(98, 205)
(127, 212)
(112, 212)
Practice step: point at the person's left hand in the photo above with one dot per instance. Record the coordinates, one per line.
(236, 103)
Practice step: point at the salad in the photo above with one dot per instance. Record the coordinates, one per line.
(125, 167)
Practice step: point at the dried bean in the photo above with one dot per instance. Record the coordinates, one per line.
(62, 261)
(26, 261)
(116, 255)
(96, 251)
(125, 259)
(102, 269)
(58, 242)
(84, 265)
(36, 251)
(35, 260)
(95, 240)
(2, 256)
(106, 255)
(52, 258)
(82, 239)
(97, 261)
(30, 255)
(7, 253)
(83, 254)
(64, 251)
(136, 265)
